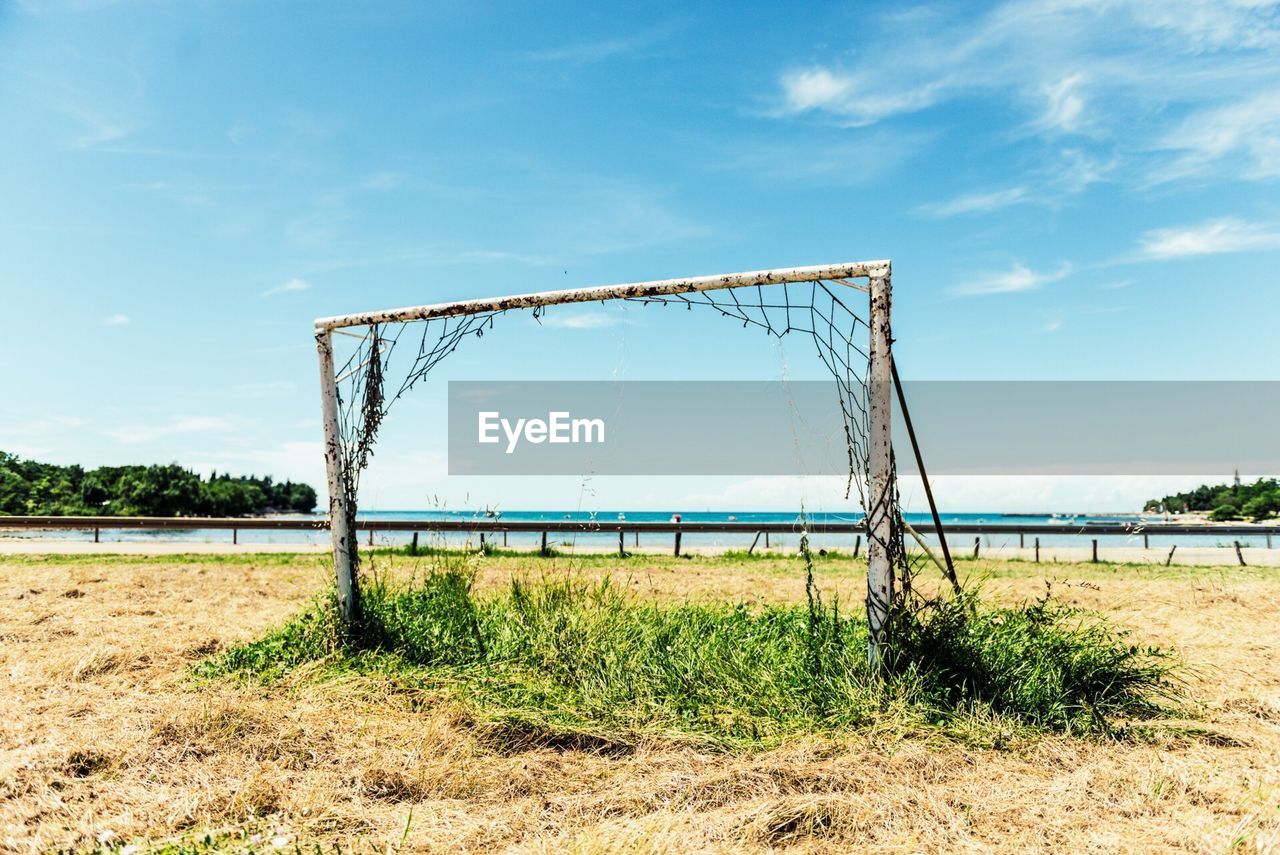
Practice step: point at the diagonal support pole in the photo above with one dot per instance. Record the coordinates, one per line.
(924, 477)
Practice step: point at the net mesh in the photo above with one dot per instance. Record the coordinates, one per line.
(390, 359)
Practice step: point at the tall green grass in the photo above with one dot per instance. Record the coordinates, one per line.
(560, 654)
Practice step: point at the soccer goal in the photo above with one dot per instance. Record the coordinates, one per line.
(842, 309)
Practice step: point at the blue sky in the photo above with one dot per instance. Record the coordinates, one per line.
(1068, 189)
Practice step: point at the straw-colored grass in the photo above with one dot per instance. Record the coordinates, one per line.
(107, 738)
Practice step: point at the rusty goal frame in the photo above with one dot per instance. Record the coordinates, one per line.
(879, 486)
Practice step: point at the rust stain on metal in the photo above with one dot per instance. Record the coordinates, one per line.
(847, 270)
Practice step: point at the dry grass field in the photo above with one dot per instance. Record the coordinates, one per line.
(108, 741)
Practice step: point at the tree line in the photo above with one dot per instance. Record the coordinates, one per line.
(28, 487)
(1257, 501)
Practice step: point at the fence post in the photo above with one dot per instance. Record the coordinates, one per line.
(96, 530)
(678, 532)
(622, 544)
(1146, 540)
(752, 547)
(413, 547)
(977, 543)
(544, 543)
(1037, 550)
(235, 535)
(1169, 560)
(1239, 554)
(1095, 550)
(857, 545)
(1022, 540)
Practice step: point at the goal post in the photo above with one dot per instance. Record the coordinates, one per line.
(870, 454)
(880, 505)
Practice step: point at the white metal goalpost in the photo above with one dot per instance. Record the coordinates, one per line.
(879, 497)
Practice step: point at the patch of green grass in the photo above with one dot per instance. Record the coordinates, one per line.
(1046, 663)
(559, 655)
(488, 549)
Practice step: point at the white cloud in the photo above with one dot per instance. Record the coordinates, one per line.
(17, 429)
(1246, 131)
(1018, 278)
(297, 460)
(815, 88)
(855, 97)
(975, 203)
(1214, 24)
(770, 491)
(137, 433)
(1187, 80)
(239, 132)
(1065, 104)
(384, 180)
(1040, 493)
(585, 53)
(1210, 238)
(582, 321)
(847, 161)
(116, 320)
(291, 286)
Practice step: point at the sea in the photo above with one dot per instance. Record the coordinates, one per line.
(1075, 531)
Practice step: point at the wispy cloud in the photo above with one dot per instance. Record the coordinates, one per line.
(588, 52)
(975, 203)
(289, 286)
(854, 96)
(1065, 104)
(383, 180)
(116, 320)
(591, 51)
(1187, 81)
(1247, 132)
(1017, 278)
(582, 321)
(293, 459)
(138, 433)
(1210, 238)
(869, 157)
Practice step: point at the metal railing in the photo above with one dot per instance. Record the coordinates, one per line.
(500, 526)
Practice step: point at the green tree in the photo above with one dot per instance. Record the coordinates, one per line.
(1262, 506)
(1225, 512)
(31, 487)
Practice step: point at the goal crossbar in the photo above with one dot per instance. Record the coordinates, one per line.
(656, 288)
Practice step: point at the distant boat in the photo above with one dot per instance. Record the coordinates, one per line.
(732, 518)
(622, 517)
